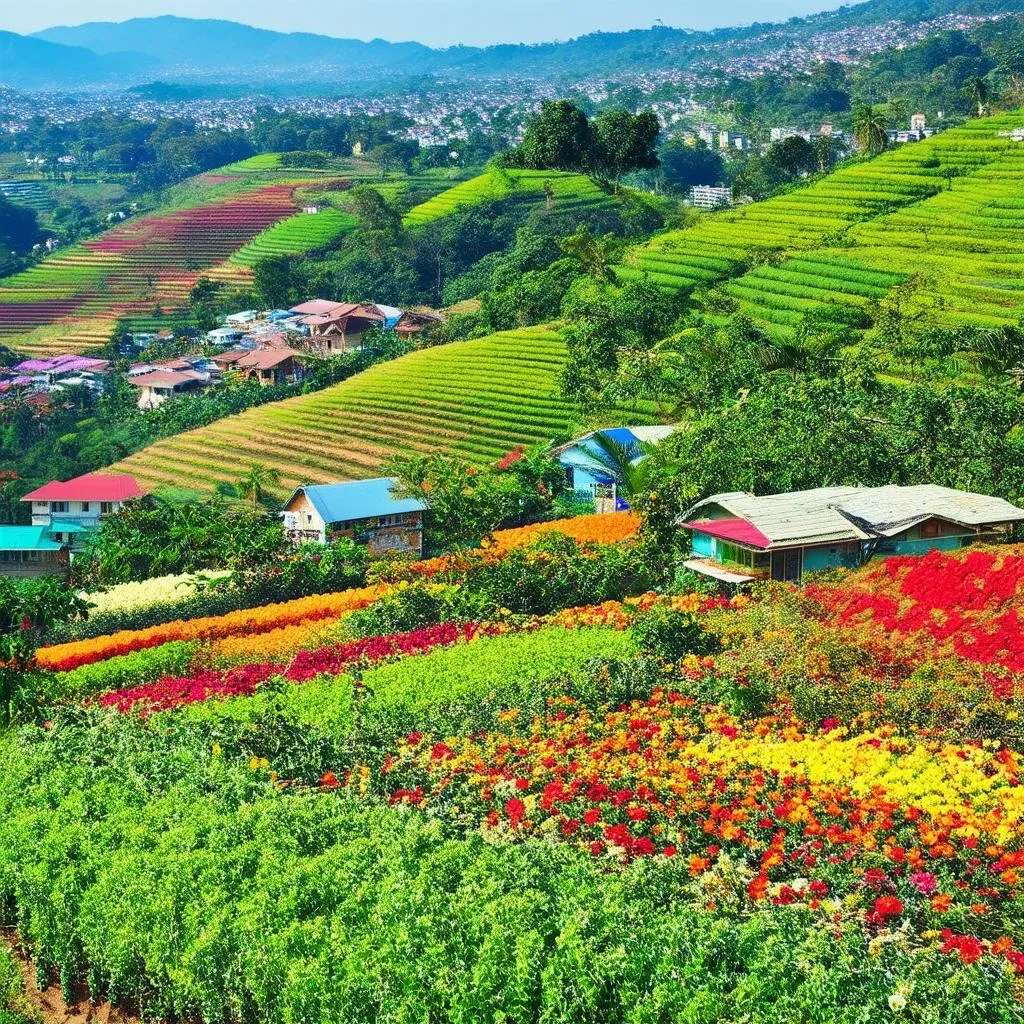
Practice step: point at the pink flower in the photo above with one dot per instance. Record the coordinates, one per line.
(925, 882)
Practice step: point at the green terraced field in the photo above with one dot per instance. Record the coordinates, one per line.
(948, 212)
(477, 399)
(301, 233)
(570, 191)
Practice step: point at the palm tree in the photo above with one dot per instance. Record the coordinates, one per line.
(626, 464)
(870, 129)
(977, 91)
(257, 481)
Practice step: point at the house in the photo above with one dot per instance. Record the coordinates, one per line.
(738, 538)
(156, 386)
(710, 197)
(337, 327)
(66, 371)
(364, 510)
(32, 551)
(416, 321)
(269, 365)
(589, 476)
(63, 513)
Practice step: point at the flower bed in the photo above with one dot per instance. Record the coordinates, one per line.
(880, 827)
(63, 657)
(968, 604)
(171, 692)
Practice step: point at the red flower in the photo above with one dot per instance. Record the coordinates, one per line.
(669, 851)
(757, 888)
(884, 908)
(522, 784)
(516, 810)
(329, 781)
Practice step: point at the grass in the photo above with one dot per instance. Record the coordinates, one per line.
(476, 399)
(301, 233)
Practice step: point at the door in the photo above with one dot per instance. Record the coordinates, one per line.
(787, 566)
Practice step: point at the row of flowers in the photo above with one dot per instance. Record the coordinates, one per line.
(599, 528)
(966, 604)
(249, 621)
(126, 597)
(897, 831)
(243, 680)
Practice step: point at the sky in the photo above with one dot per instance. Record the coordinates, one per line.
(435, 22)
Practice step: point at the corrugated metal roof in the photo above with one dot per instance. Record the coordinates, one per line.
(836, 514)
(358, 499)
(27, 538)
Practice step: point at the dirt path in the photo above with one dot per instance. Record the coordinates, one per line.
(52, 1006)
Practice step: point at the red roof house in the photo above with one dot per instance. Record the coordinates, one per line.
(89, 487)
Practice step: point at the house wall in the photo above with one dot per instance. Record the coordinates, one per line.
(703, 544)
(309, 521)
(382, 534)
(42, 512)
(33, 564)
(583, 479)
(831, 556)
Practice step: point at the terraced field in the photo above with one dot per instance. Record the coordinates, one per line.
(477, 399)
(216, 225)
(301, 233)
(948, 212)
(569, 191)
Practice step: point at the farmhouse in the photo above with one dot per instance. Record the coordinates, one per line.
(337, 327)
(587, 470)
(364, 510)
(738, 538)
(270, 365)
(156, 386)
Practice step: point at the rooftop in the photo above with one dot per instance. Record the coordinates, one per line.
(89, 487)
(357, 499)
(837, 514)
(27, 538)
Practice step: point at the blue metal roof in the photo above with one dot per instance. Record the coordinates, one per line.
(27, 538)
(358, 499)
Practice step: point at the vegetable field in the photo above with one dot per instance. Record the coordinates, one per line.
(477, 399)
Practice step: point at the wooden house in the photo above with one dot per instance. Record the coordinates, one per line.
(363, 510)
(738, 538)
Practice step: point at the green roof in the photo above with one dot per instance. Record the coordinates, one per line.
(27, 538)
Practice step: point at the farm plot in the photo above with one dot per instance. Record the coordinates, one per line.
(476, 399)
(727, 244)
(153, 261)
(301, 233)
(568, 191)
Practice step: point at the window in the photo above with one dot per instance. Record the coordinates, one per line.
(58, 506)
(85, 506)
(106, 507)
(932, 528)
(736, 554)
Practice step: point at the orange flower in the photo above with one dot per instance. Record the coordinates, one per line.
(757, 888)
(941, 903)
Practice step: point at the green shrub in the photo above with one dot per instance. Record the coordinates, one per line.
(15, 1007)
(672, 635)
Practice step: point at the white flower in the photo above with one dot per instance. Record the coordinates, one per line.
(897, 1002)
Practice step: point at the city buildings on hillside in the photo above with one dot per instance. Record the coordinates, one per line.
(737, 538)
(364, 510)
(710, 197)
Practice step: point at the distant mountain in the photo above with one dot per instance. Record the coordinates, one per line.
(215, 44)
(28, 62)
(225, 51)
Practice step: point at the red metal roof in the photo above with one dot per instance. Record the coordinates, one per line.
(89, 487)
(738, 530)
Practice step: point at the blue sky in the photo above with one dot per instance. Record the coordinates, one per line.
(436, 22)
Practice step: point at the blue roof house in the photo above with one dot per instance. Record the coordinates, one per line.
(589, 476)
(363, 510)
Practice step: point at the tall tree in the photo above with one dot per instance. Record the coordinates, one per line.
(626, 142)
(870, 129)
(558, 137)
(258, 481)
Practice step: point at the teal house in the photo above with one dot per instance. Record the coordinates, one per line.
(738, 538)
(32, 551)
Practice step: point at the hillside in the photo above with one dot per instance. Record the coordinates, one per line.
(477, 399)
(943, 216)
(216, 225)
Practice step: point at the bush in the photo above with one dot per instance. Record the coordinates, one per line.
(672, 635)
(420, 604)
(15, 1007)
